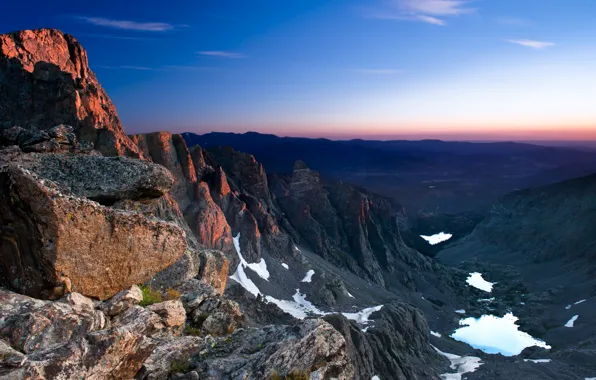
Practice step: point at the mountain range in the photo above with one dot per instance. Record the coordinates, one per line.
(225, 256)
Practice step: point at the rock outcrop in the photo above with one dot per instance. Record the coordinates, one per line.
(395, 347)
(54, 242)
(47, 81)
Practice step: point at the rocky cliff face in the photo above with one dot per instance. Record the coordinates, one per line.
(46, 81)
(74, 245)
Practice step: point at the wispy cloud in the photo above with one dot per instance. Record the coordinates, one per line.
(160, 68)
(222, 54)
(179, 67)
(428, 11)
(127, 67)
(532, 43)
(131, 25)
(376, 71)
(112, 37)
(512, 21)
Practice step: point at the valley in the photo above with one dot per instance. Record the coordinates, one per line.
(226, 256)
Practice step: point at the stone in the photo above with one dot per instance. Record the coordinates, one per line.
(113, 178)
(214, 269)
(141, 320)
(311, 347)
(78, 300)
(46, 81)
(53, 242)
(174, 350)
(31, 325)
(171, 312)
(108, 354)
(122, 301)
(194, 292)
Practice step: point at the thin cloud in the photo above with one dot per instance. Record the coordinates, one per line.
(513, 21)
(532, 44)
(112, 37)
(427, 11)
(131, 25)
(376, 71)
(222, 54)
(179, 67)
(161, 68)
(127, 67)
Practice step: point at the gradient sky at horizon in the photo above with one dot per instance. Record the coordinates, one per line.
(480, 69)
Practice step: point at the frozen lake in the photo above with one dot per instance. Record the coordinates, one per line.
(496, 335)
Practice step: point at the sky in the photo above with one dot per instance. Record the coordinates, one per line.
(476, 70)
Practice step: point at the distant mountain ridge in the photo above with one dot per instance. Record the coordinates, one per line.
(431, 175)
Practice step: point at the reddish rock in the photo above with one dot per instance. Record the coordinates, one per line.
(53, 242)
(46, 80)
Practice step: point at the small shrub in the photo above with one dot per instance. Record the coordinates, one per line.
(150, 296)
(275, 376)
(298, 375)
(172, 294)
(180, 366)
(192, 331)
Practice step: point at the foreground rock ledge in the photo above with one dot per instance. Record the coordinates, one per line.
(52, 242)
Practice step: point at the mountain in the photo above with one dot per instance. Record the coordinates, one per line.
(540, 240)
(82, 226)
(185, 262)
(427, 175)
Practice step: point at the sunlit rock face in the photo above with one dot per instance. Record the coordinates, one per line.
(46, 81)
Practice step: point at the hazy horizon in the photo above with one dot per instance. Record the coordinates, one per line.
(447, 69)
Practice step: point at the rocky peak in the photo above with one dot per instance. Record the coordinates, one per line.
(46, 81)
(244, 170)
(304, 180)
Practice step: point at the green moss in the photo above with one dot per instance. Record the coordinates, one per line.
(192, 331)
(180, 366)
(150, 296)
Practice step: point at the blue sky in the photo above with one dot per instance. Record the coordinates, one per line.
(350, 68)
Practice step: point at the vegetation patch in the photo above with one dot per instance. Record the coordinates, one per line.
(150, 296)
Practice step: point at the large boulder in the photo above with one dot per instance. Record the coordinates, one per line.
(53, 242)
(103, 179)
(311, 349)
(46, 80)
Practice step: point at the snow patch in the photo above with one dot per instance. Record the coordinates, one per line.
(285, 265)
(571, 321)
(475, 279)
(578, 302)
(460, 311)
(435, 334)
(308, 277)
(350, 295)
(462, 364)
(299, 307)
(437, 238)
(538, 360)
(493, 335)
(375, 377)
(362, 316)
(259, 268)
(487, 299)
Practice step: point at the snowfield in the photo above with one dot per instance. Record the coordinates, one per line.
(475, 279)
(571, 321)
(494, 335)
(299, 307)
(437, 238)
(462, 364)
(308, 277)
